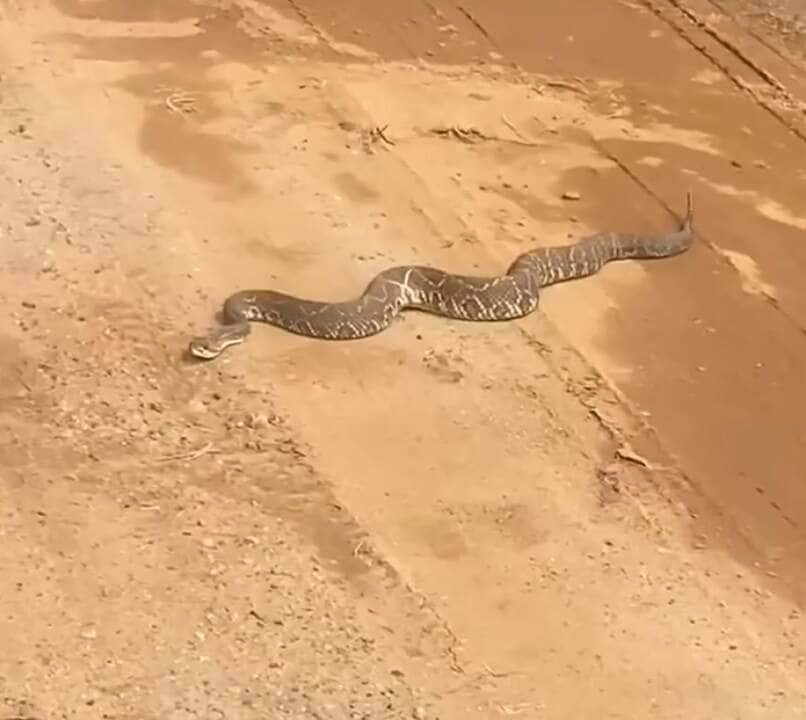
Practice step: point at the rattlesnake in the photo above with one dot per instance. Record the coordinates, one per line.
(504, 297)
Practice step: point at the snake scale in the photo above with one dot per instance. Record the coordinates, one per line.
(503, 297)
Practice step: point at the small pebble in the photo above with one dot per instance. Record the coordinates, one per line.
(571, 195)
(258, 421)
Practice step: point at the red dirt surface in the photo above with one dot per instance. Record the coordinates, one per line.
(596, 511)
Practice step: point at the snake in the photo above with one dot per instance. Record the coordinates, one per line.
(512, 295)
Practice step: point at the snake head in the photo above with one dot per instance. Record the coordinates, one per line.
(201, 348)
(212, 345)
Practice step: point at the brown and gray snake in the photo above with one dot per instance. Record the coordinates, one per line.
(504, 297)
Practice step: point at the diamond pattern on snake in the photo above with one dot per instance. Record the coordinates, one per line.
(512, 295)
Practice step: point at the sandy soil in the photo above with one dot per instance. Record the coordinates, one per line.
(597, 511)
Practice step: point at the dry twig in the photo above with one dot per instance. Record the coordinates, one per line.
(195, 455)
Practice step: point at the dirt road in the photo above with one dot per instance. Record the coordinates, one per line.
(597, 511)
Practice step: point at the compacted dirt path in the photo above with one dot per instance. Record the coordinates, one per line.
(596, 511)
